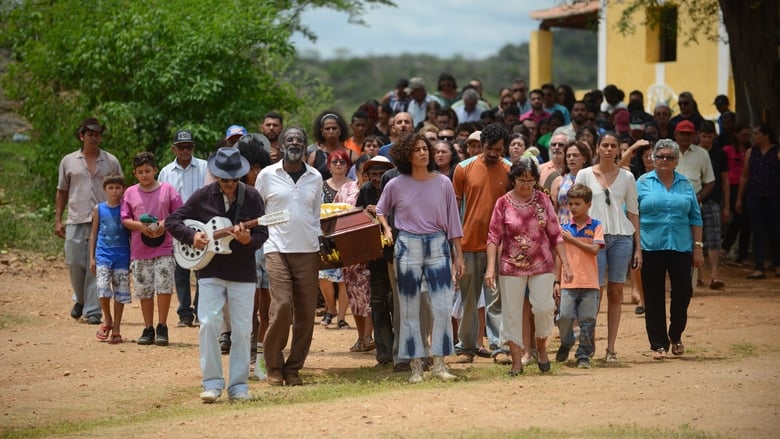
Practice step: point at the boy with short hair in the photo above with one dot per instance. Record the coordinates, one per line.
(579, 299)
(109, 258)
(144, 209)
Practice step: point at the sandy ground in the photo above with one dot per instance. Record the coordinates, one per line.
(54, 372)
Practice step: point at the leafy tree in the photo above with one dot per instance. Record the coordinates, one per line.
(753, 32)
(146, 68)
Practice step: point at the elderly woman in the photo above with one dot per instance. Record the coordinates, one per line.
(445, 157)
(525, 227)
(426, 214)
(671, 223)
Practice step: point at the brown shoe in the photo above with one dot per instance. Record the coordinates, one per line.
(292, 379)
(275, 377)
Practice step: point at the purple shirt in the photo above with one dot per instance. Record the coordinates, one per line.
(422, 207)
(160, 202)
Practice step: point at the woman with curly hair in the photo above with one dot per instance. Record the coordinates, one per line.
(425, 213)
(330, 132)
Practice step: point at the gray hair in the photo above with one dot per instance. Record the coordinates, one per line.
(666, 144)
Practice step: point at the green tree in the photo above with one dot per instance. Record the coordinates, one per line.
(146, 68)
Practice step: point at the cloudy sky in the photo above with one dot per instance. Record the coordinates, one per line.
(474, 29)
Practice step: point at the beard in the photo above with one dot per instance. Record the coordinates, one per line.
(293, 154)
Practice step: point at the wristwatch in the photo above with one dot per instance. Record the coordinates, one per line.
(698, 244)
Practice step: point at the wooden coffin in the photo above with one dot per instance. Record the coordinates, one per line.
(349, 237)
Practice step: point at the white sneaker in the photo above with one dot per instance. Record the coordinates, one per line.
(417, 371)
(210, 395)
(260, 371)
(440, 371)
(240, 396)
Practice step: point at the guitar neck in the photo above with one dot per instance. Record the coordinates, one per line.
(221, 233)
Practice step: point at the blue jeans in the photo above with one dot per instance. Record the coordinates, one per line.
(239, 297)
(581, 304)
(82, 280)
(614, 257)
(417, 257)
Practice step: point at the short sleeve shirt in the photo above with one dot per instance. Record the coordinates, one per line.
(85, 190)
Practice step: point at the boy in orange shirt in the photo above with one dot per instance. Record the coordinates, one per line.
(579, 298)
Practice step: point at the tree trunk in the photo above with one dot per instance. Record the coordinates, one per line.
(752, 28)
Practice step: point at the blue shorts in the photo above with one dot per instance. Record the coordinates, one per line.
(614, 257)
(262, 273)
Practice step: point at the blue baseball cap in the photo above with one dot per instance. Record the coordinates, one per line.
(235, 130)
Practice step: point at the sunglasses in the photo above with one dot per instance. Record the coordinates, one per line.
(557, 144)
(666, 158)
(607, 200)
(338, 162)
(228, 180)
(447, 138)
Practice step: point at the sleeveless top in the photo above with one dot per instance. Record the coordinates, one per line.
(113, 241)
(328, 193)
(764, 177)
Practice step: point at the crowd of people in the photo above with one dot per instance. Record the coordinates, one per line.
(499, 221)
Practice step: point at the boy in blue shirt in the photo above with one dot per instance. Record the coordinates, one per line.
(579, 298)
(109, 258)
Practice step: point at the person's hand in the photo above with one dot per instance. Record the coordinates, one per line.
(200, 241)
(698, 257)
(725, 214)
(557, 293)
(490, 279)
(738, 206)
(241, 234)
(568, 276)
(389, 237)
(92, 266)
(567, 237)
(636, 263)
(59, 229)
(371, 208)
(459, 266)
(152, 230)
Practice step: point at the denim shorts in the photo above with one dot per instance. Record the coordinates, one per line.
(614, 257)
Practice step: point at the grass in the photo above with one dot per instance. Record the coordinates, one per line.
(26, 212)
(743, 350)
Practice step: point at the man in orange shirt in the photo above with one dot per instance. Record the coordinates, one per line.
(479, 181)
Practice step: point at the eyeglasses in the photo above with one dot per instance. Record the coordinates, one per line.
(557, 144)
(519, 89)
(666, 158)
(607, 200)
(525, 182)
(228, 180)
(447, 138)
(187, 146)
(338, 162)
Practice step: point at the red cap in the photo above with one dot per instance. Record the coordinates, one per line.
(685, 126)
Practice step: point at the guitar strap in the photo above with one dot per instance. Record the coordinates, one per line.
(239, 201)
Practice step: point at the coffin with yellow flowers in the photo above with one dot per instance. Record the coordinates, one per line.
(349, 236)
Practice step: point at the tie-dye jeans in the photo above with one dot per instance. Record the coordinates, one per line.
(417, 257)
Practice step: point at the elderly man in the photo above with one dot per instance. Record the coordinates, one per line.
(554, 167)
(80, 187)
(402, 125)
(418, 104)
(292, 257)
(469, 111)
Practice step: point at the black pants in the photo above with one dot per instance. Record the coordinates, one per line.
(381, 309)
(655, 266)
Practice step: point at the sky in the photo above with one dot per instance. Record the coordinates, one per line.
(474, 29)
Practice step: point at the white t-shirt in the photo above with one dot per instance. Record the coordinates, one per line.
(622, 195)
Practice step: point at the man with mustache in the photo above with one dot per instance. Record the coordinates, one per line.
(292, 256)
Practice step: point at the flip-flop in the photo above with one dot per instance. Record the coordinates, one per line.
(103, 332)
(716, 284)
(484, 353)
(501, 356)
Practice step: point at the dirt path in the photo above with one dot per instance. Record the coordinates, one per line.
(56, 373)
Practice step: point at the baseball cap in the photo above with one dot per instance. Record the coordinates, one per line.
(685, 126)
(235, 130)
(621, 120)
(475, 136)
(636, 122)
(416, 82)
(182, 136)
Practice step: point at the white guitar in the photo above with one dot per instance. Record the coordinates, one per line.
(216, 229)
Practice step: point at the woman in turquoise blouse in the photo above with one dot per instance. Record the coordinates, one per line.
(670, 233)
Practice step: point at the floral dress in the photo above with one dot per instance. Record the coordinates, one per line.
(356, 277)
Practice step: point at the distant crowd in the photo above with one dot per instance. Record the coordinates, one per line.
(500, 222)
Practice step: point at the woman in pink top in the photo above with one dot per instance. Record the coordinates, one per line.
(739, 224)
(524, 225)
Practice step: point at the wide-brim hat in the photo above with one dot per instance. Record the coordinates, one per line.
(91, 124)
(228, 163)
(379, 160)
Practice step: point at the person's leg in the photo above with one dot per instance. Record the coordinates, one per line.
(213, 295)
(82, 280)
(239, 299)
(586, 312)
(304, 304)
(470, 288)
(710, 213)
(759, 223)
(437, 270)
(181, 278)
(543, 309)
(328, 293)
(529, 339)
(512, 291)
(342, 302)
(121, 298)
(567, 315)
(618, 258)
(681, 291)
(409, 269)
(396, 315)
(381, 306)
(265, 305)
(279, 314)
(492, 310)
(654, 267)
(105, 290)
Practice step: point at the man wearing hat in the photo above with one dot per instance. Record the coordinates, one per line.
(229, 279)
(292, 257)
(694, 160)
(233, 133)
(186, 173)
(80, 187)
(381, 290)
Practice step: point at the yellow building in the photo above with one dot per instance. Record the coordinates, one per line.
(654, 61)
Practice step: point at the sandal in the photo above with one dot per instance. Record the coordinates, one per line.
(659, 354)
(501, 356)
(678, 348)
(102, 333)
(115, 339)
(357, 347)
(716, 284)
(484, 353)
(343, 324)
(326, 319)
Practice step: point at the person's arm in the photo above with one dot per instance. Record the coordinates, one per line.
(490, 270)
(566, 273)
(59, 209)
(698, 252)
(725, 209)
(554, 189)
(457, 258)
(637, 261)
(743, 180)
(590, 248)
(625, 161)
(386, 228)
(706, 190)
(93, 239)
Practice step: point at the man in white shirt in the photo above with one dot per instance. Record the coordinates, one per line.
(186, 173)
(292, 257)
(418, 104)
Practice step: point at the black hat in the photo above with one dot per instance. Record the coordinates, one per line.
(89, 124)
(228, 163)
(183, 136)
(637, 121)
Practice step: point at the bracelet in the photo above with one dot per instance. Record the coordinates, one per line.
(698, 244)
